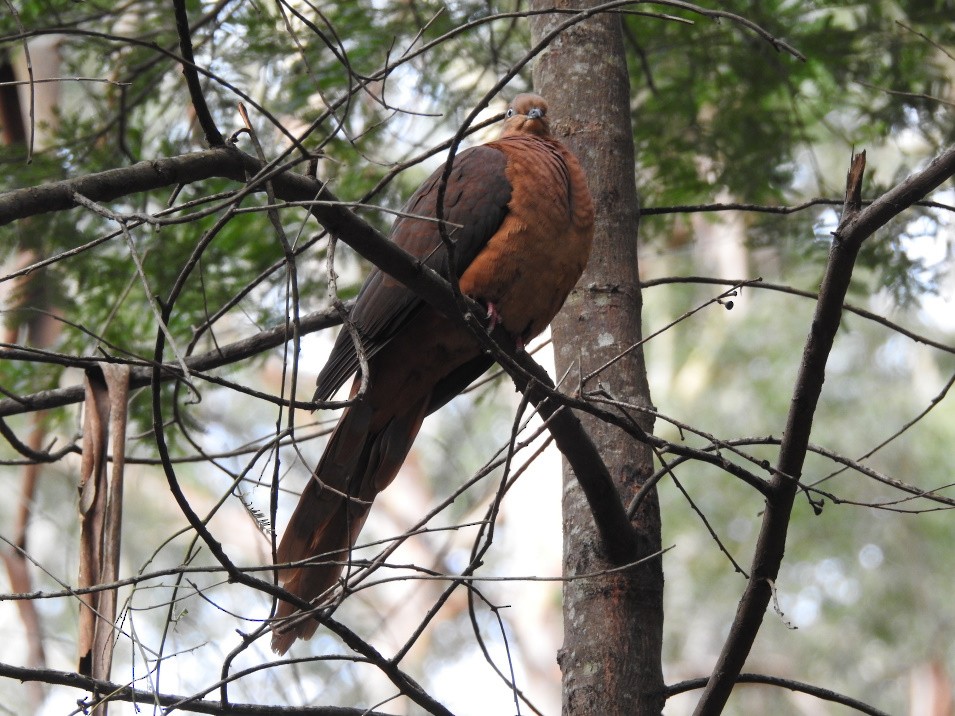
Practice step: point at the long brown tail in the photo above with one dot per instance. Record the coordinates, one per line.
(360, 460)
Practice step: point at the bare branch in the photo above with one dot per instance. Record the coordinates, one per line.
(764, 208)
(140, 376)
(782, 288)
(856, 225)
(213, 136)
(124, 692)
(791, 684)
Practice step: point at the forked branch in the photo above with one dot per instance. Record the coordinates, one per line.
(857, 224)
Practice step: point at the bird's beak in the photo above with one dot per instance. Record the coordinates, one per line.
(535, 113)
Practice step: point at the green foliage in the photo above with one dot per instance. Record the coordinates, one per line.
(721, 115)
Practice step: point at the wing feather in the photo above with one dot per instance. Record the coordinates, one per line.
(476, 198)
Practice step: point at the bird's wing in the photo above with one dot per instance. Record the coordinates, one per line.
(476, 199)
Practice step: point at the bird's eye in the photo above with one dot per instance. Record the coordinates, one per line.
(509, 113)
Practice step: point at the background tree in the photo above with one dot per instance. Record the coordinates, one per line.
(743, 127)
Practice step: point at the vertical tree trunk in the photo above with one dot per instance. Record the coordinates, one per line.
(613, 624)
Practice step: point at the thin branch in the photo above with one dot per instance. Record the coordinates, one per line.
(721, 300)
(141, 271)
(125, 692)
(140, 377)
(782, 288)
(17, 83)
(765, 208)
(929, 40)
(912, 491)
(872, 451)
(709, 528)
(909, 95)
(791, 684)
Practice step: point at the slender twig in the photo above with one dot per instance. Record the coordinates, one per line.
(941, 48)
(909, 95)
(138, 263)
(782, 288)
(764, 208)
(126, 692)
(224, 355)
(872, 451)
(721, 300)
(791, 684)
(17, 83)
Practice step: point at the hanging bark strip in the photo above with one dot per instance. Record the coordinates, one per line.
(101, 508)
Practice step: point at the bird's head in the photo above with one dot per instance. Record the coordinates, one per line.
(527, 114)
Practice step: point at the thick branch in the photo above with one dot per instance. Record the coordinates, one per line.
(856, 225)
(617, 534)
(115, 183)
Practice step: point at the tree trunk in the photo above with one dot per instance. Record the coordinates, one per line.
(613, 624)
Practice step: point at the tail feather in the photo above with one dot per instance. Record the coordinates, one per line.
(324, 493)
(330, 549)
(358, 463)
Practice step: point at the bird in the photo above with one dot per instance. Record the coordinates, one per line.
(521, 221)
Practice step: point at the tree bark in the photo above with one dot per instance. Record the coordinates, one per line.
(613, 624)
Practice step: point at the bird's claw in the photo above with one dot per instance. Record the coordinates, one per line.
(493, 317)
(494, 320)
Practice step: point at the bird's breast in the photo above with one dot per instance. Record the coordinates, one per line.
(536, 256)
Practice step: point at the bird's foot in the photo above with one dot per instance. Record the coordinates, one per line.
(494, 320)
(493, 317)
